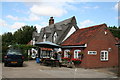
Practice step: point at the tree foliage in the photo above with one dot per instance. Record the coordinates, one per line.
(115, 30)
(24, 34)
(21, 36)
(19, 39)
(7, 38)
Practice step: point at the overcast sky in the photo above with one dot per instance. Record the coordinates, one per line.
(17, 14)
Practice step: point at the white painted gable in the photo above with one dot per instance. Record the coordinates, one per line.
(54, 37)
(72, 30)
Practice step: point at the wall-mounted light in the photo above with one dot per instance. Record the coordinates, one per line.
(105, 32)
(109, 49)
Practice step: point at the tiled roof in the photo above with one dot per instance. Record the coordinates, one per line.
(82, 36)
(61, 28)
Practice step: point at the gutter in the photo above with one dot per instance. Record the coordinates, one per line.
(83, 46)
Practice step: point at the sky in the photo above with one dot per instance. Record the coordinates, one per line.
(17, 14)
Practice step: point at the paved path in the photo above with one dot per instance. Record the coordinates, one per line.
(34, 70)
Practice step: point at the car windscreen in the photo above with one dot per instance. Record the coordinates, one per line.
(15, 52)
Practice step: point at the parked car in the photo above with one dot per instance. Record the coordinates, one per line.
(13, 57)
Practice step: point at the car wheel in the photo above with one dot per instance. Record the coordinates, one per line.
(21, 65)
(5, 64)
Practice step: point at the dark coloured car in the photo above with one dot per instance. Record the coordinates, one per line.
(13, 57)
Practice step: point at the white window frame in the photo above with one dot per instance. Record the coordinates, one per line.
(33, 41)
(66, 53)
(44, 37)
(105, 55)
(76, 53)
(55, 37)
(92, 52)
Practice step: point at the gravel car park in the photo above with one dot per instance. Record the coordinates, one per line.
(31, 69)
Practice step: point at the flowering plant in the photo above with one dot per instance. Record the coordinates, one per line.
(65, 59)
(76, 61)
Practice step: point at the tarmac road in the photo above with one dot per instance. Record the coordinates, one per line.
(33, 70)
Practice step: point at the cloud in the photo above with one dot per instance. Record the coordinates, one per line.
(48, 10)
(5, 27)
(38, 0)
(85, 23)
(91, 7)
(57, 8)
(31, 17)
(96, 7)
(117, 6)
(17, 25)
(44, 8)
(39, 26)
(12, 17)
(3, 23)
(60, 0)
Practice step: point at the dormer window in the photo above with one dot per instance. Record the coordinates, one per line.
(44, 38)
(55, 37)
(33, 41)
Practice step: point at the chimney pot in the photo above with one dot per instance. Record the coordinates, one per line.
(51, 21)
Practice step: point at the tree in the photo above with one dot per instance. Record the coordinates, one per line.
(7, 38)
(24, 34)
(115, 30)
(119, 27)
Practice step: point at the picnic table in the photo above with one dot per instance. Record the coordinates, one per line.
(51, 62)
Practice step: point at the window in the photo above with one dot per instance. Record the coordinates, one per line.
(33, 41)
(54, 37)
(66, 53)
(92, 52)
(76, 53)
(104, 55)
(44, 38)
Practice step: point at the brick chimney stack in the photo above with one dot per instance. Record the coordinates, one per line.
(51, 21)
